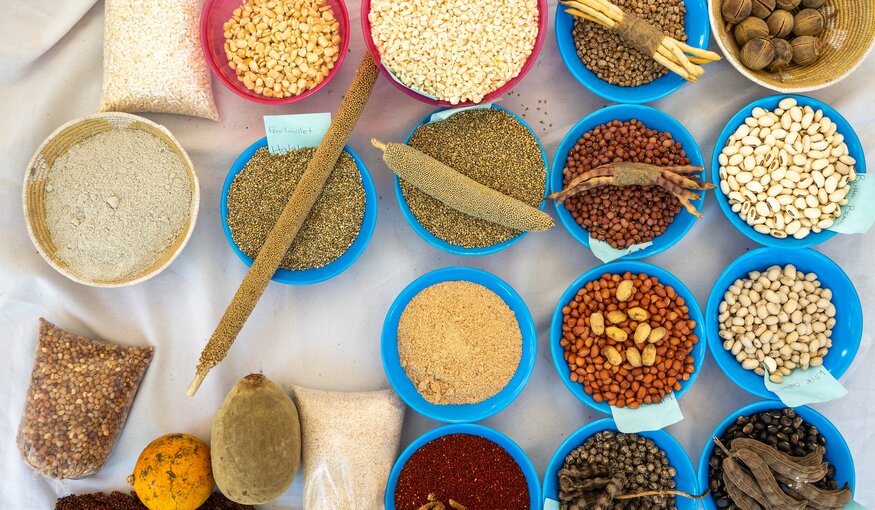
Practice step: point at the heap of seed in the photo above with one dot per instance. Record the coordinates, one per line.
(493, 148)
(627, 215)
(261, 190)
(613, 60)
(121, 501)
(637, 459)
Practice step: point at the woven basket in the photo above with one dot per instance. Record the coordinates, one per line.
(849, 36)
(57, 144)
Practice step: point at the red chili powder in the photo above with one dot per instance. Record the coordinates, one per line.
(471, 470)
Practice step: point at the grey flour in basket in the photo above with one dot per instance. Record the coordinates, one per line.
(115, 203)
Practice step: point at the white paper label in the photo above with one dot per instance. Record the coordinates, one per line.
(607, 253)
(859, 213)
(291, 132)
(648, 416)
(804, 387)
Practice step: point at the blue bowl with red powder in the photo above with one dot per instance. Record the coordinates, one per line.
(837, 452)
(495, 436)
(685, 479)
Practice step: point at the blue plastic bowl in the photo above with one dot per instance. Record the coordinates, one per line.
(698, 30)
(458, 413)
(477, 430)
(440, 243)
(621, 267)
(685, 480)
(310, 275)
(837, 452)
(653, 119)
(846, 335)
(770, 103)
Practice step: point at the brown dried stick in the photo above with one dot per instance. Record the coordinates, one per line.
(289, 223)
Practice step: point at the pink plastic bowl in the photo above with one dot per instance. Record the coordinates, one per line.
(539, 43)
(214, 15)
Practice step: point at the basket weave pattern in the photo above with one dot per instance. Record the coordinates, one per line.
(849, 36)
(59, 143)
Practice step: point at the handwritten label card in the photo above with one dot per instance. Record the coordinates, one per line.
(648, 416)
(551, 504)
(291, 132)
(606, 253)
(443, 114)
(859, 214)
(804, 387)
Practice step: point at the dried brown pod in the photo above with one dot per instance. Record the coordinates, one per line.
(783, 55)
(808, 22)
(806, 49)
(735, 11)
(757, 54)
(787, 5)
(813, 4)
(762, 8)
(780, 23)
(751, 28)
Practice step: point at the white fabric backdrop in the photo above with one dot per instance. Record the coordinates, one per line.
(328, 335)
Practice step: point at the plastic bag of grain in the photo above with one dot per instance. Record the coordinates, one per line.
(350, 441)
(153, 61)
(80, 393)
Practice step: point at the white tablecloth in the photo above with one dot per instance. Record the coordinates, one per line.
(328, 335)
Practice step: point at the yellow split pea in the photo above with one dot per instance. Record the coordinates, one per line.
(282, 48)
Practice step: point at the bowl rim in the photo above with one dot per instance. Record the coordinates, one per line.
(194, 204)
(439, 243)
(312, 275)
(665, 441)
(727, 52)
(203, 30)
(616, 112)
(770, 102)
(620, 267)
(715, 297)
(543, 14)
(502, 440)
(808, 414)
(467, 412)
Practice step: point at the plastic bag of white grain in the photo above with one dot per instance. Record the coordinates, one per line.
(350, 441)
(153, 61)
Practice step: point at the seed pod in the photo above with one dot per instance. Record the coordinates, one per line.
(616, 334)
(656, 335)
(638, 314)
(751, 28)
(633, 357)
(757, 54)
(808, 22)
(780, 23)
(648, 355)
(762, 8)
(597, 323)
(616, 317)
(806, 49)
(787, 5)
(625, 290)
(612, 355)
(813, 4)
(734, 11)
(641, 333)
(783, 55)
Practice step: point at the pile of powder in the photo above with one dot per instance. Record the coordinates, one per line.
(459, 343)
(115, 203)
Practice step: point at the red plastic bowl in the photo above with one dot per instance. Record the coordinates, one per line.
(539, 43)
(214, 15)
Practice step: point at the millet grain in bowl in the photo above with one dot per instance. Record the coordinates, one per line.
(459, 343)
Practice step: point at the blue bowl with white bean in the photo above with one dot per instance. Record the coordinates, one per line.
(439, 243)
(778, 197)
(729, 347)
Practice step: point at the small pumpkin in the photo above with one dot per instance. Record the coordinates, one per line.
(174, 473)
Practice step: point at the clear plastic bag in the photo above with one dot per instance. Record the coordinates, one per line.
(80, 393)
(350, 441)
(153, 61)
